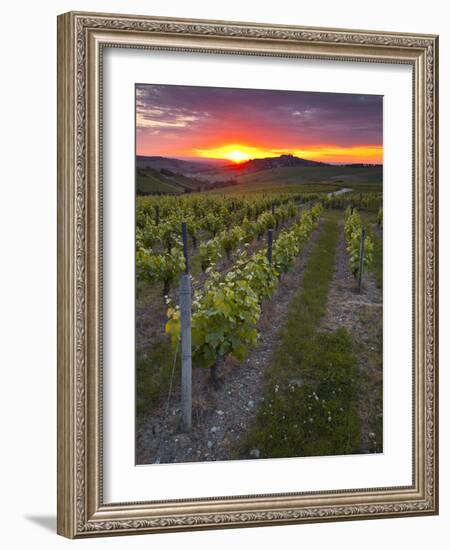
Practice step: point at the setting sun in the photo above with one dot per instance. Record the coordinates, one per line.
(235, 152)
(237, 156)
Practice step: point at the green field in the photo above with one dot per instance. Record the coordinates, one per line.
(291, 175)
(289, 179)
(151, 183)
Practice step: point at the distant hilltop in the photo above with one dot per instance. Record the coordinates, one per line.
(279, 162)
(189, 167)
(282, 161)
(203, 165)
(176, 165)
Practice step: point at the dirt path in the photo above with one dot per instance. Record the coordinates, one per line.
(220, 418)
(361, 314)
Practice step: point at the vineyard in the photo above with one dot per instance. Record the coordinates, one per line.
(275, 372)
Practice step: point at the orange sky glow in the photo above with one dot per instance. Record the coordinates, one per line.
(238, 153)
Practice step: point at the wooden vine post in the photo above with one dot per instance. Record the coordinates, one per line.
(273, 214)
(186, 344)
(269, 245)
(361, 258)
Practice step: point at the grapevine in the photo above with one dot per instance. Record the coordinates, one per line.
(226, 311)
(353, 230)
(160, 268)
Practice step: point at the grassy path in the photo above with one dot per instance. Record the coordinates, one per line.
(361, 315)
(310, 395)
(377, 266)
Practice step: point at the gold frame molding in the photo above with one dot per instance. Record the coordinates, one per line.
(81, 39)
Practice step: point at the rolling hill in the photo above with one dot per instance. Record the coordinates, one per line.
(292, 174)
(177, 165)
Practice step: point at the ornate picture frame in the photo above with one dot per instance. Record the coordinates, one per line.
(82, 38)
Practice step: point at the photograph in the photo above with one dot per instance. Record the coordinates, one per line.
(247, 273)
(223, 277)
(258, 274)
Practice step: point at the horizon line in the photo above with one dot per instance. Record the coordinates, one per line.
(203, 159)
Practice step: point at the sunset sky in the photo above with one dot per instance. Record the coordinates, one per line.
(240, 124)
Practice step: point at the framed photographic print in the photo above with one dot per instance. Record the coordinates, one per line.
(247, 284)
